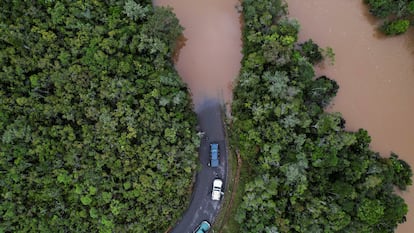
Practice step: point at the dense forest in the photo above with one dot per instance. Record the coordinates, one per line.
(396, 14)
(96, 128)
(306, 173)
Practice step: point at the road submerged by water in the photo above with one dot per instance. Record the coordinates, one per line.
(201, 206)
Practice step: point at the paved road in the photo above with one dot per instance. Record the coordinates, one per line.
(201, 206)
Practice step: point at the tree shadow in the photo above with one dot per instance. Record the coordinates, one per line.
(178, 46)
(409, 40)
(374, 21)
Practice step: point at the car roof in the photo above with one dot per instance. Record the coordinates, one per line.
(217, 182)
(203, 227)
(214, 155)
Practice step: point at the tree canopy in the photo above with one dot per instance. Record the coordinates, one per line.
(396, 14)
(307, 174)
(96, 128)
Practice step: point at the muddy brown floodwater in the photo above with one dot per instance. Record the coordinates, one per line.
(210, 59)
(375, 75)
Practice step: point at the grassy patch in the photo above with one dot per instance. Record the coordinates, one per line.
(231, 177)
(230, 225)
(227, 202)
(237, 178)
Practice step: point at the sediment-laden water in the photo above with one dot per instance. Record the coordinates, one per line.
(210, 59)
(375, 75)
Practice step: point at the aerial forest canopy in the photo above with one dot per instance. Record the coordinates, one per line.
(396, 14)
(96, 128)
(307, 174)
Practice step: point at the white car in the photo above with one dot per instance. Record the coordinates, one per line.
(217, 186)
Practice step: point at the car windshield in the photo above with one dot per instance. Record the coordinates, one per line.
(203, 227)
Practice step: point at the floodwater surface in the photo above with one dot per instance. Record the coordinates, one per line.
(210, 59)
(375, 75)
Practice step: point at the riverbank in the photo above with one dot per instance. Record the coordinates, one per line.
(375, 74)
(254, 136)
(210, 59)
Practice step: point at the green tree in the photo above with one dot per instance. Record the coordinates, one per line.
(311, 50)
(381, 8)
(370, 211)
(93, 117)
(134, 10)
(395, 27)
(306, 173)
(397, 14)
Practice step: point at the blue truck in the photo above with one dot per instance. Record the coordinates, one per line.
(214, 155)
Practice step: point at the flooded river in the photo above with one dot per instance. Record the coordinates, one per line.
(375, 75)
(210, 59)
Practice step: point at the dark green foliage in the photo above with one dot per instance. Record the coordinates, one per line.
(321, 91)
(382, 8)
(395, 27)
(401, 172)
(307, 173)
(96, 128)
(397, 14)
(311, 50)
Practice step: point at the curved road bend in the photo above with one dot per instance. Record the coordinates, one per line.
(201, 206)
